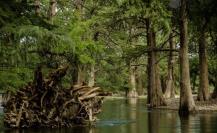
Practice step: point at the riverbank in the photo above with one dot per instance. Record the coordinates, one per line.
(173, 103)
(202, 106)
(122, 97)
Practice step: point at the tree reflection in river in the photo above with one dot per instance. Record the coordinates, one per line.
(153, 122)
(162, 121)
(186, 124)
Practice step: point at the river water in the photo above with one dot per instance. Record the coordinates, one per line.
(132, 116)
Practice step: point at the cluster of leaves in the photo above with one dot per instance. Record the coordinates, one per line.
(109, 34)
(70, 38)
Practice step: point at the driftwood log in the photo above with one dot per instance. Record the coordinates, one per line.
(44, 103)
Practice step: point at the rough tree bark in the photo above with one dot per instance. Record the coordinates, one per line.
(157, 98)
(132, 80)
(81, 75)
(187, 104)
(91, 81)
(203, 93)
(148, 36)
(170, 90)
(139, 83)
(92, 72)
(155, 95)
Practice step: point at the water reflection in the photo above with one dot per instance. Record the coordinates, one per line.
(131, 116)
(62, 130)
(153, 120)
(132, 113)
(199, 123)
(131, 101)
(162, 121)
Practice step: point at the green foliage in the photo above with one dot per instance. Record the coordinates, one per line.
(13, 78)
(109, 34)
(113, 76)
(213, 70)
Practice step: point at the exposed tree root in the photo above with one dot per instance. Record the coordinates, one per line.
(43, 103)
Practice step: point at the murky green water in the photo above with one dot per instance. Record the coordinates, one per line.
(131, 116)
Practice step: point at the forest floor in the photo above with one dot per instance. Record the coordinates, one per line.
(202, 106)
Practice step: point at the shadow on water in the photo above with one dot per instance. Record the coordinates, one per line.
(132, 116)
(78, 129)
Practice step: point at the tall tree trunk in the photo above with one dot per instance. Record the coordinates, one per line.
(37, 7)
(139, 84)
(148, 70)
(155, 95)
(187, 104)
(203, 94)
(52, 9)
(132, 80)
(91, 81)
(170, 90)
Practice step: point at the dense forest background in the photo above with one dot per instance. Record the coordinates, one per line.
(119, 45)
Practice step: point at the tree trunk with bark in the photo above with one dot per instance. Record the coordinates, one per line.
(203, 93)
(170, 90)
(139, 84)
(155, 95)
(157, 98)
(187, 104)
(81, 76)
(132, 80)
(148, 36)
(91, 81)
